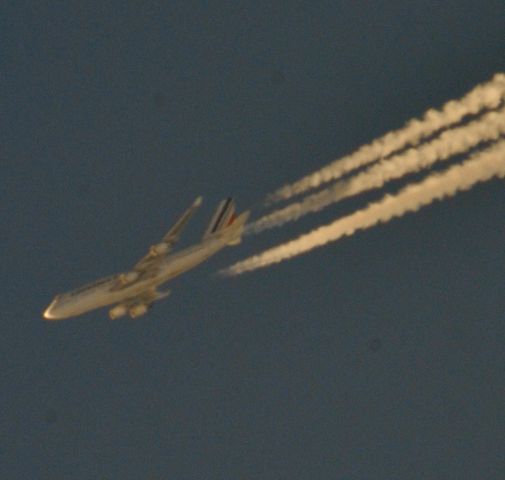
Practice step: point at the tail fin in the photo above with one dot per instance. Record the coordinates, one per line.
(225, 222)
(223, 216)
(236, 229)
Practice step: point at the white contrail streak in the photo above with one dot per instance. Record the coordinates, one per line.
(485, 96)
(459, 140)
(480, 167)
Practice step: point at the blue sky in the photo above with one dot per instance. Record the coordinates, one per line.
(379, 356)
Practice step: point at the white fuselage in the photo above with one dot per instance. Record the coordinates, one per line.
(106, 292)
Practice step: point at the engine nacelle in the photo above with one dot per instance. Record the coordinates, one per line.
(159, 249)
(117, 312)
(128, 277)
(138, 310)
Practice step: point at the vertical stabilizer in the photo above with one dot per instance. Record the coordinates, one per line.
(223, 217)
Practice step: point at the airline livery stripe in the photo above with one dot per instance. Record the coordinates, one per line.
(220, 217)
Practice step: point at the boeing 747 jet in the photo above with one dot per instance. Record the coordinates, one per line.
(132, 293)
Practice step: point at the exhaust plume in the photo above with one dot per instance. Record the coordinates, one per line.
(480, 167)
(485, 96)
(451, 142)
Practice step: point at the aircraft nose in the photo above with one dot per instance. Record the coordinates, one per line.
(49, 313)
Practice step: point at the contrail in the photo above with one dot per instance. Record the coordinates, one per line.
(480, 167)
(459, 140)
(485, 96)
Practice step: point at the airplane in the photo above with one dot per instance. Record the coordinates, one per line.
(134, 292)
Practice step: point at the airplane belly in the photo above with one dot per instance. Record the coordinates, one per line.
(179, 264)
(83, 304)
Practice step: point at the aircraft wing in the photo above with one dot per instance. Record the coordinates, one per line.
(174, 233)
(169, 240)
(137, 306)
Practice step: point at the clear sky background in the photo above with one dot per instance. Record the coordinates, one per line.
(377, 357)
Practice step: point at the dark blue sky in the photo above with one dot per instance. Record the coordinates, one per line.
(377, 357)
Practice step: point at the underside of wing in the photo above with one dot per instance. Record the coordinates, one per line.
(139, 305)
(172, 236)
(147, 266)
(156, 252)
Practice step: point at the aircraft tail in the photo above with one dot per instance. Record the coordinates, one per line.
(225, 222)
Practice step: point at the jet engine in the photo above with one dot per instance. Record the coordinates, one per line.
(129, 277)
(138, 310)
(159, 249)
(117, 312)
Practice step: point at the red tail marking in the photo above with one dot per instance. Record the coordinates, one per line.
(232, 219)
